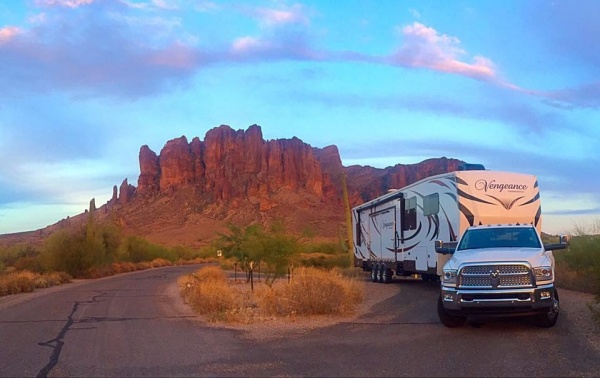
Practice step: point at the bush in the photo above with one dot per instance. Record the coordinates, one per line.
(310, 292)
(136, 250)
(326, 261)
(325, 248)
(25, 281)
(578, 267)
(318, 292)
(209, 293)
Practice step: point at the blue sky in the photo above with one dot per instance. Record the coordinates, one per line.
(514, 85)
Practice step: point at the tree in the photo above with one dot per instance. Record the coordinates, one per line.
(252, 245)
(243, 245)
(278, 250)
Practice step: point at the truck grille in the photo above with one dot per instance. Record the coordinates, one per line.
(495, 276)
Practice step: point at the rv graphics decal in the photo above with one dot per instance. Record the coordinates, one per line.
(500, 187)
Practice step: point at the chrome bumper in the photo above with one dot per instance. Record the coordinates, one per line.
(498, 300)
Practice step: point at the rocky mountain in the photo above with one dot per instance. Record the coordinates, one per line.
(190, 190)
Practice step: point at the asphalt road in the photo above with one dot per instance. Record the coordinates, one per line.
(136, 325)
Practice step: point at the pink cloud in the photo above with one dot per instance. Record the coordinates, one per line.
(8, 32)
(272, 17)
(245, 45)
(425, 47)
(176, 56)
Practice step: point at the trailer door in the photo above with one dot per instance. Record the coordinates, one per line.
(383, 232)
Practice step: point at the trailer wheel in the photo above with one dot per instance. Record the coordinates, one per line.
(387, 275)
(374, 272)
(380, 273)
(548, 319)
(449, 320)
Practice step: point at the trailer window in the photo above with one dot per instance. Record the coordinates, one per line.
(431, 204)
(358, 232)
(409, 221)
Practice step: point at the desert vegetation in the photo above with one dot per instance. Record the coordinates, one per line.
(92, 251)
(98, 250)
(308, 291)
(578, 267)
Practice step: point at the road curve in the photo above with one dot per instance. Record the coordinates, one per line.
(136, 325)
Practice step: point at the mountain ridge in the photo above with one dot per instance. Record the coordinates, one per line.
(190, 191)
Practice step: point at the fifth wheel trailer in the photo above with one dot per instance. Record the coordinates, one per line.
(395, 234)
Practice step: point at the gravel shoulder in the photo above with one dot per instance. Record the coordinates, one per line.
(574, 305)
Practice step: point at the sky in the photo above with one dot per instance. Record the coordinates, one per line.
(512, 85)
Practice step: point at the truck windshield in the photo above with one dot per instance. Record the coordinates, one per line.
(508, 237)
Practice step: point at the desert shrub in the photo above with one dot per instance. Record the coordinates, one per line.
(10, 255)
(578, 267)
(137, 249)
(324, 248)
(210, 273)
(17, 282)
(32, 264)
(65, 251)
(312, 292)
(209, 293)
(325, 261)
(160, 262)
(189, 254)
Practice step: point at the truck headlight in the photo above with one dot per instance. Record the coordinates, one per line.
(449, 276)
(543, 273)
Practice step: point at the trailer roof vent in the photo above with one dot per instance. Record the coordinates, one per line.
(471, 167)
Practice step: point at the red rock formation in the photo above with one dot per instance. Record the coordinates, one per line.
(176, 164)
(149, 180)
(126, 192)
(366, 183)
(240, 164)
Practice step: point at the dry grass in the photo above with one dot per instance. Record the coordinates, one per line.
(125, 267)
(310, 292)
(26, 281)
(572, 279)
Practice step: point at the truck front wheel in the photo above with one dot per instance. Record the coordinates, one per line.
(548, 319)
(449, 320)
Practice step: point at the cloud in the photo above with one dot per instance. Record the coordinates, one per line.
(100, 49)
(286, 15)
(285, 46)
(63, 3)
(424, 47)
(585, 96)
(8, 33)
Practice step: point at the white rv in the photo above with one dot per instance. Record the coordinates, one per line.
(395, 234)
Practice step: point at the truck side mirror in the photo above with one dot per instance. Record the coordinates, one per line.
(444, 250)
(565, 241)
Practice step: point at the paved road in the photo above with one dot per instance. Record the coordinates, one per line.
(135, 325)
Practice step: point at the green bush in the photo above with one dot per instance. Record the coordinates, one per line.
(325, 248)
(66, 251)
(578, 267)
(10, 255)
(136, 249)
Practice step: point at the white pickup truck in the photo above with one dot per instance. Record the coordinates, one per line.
(499, 270)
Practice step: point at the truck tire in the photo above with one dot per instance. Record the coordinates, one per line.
(386, 275)
(548, 319)
(380, 271)
(374, 272)
(449, 320)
